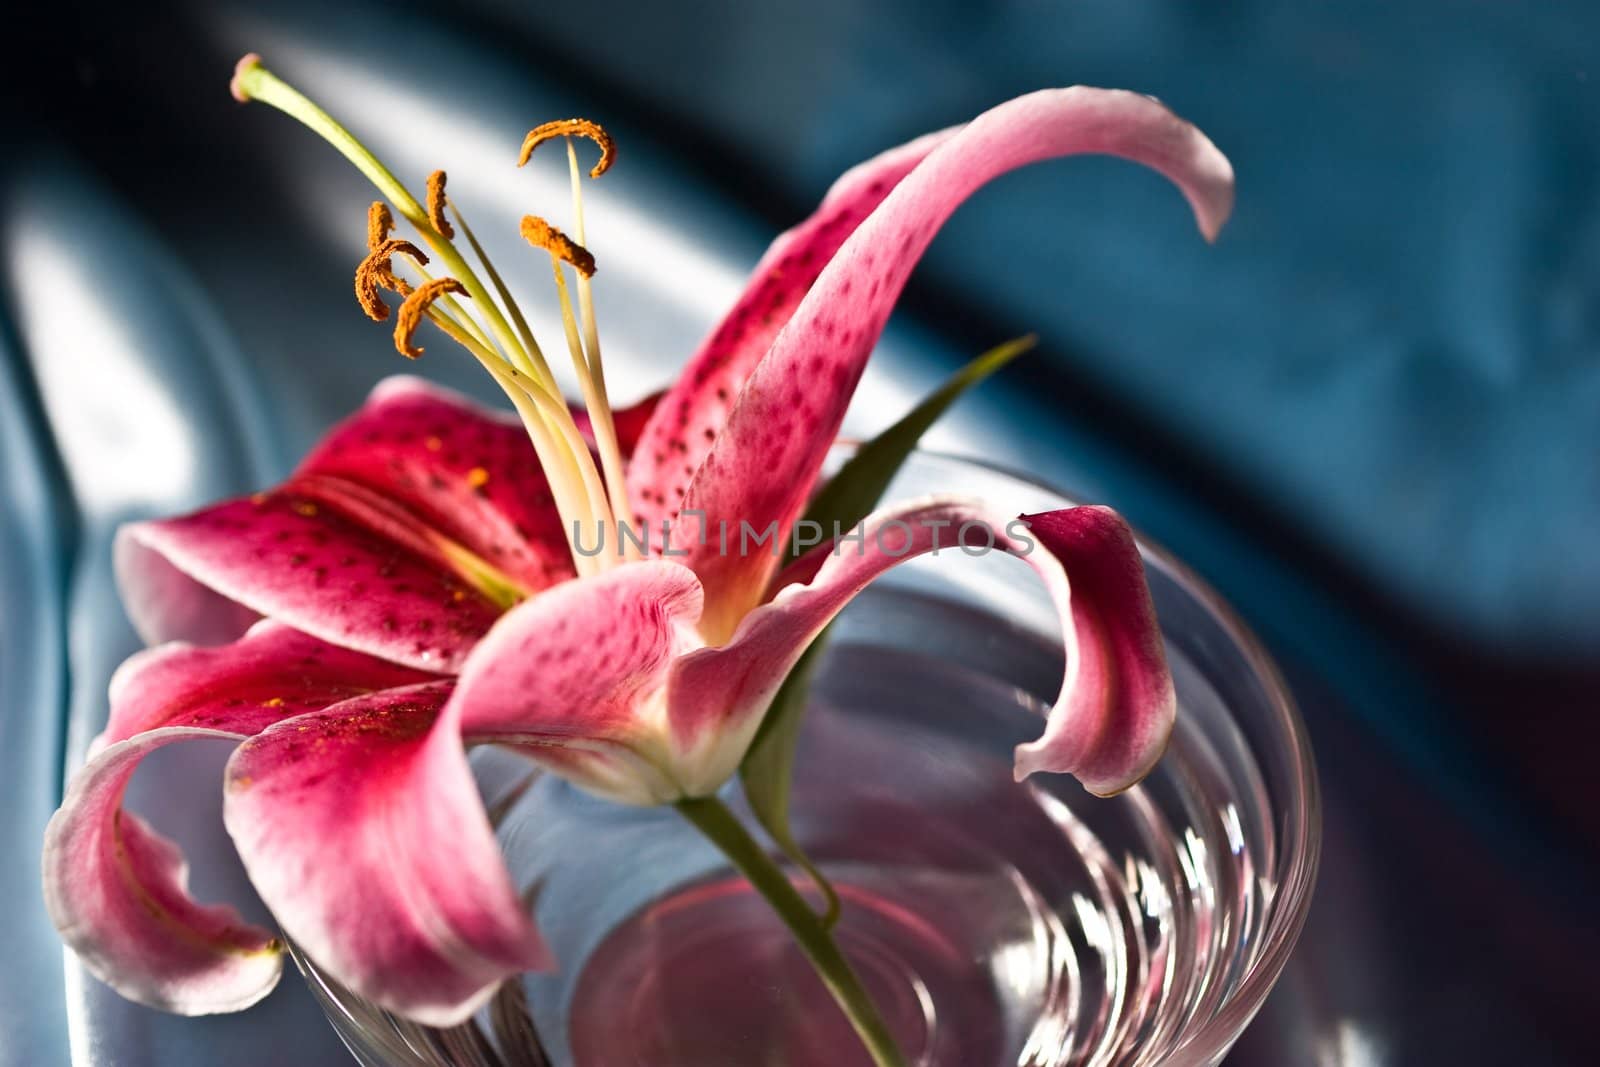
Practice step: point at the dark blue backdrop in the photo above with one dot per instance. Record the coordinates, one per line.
(1370, 414)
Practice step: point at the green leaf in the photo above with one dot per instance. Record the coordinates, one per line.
(768, 768)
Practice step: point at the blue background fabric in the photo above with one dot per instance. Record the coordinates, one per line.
(1370, 414)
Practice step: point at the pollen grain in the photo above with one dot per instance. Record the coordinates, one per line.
(379, 223)
(377, 270)
(416, 305)
(436, 206)
(569, 128)
(540, 234)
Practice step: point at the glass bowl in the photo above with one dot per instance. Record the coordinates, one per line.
(996, 923)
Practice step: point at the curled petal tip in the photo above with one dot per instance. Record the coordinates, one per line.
(764, 460)
(1214, 208)
(118, 894)
(1115, 715)
(247, 62)
(1110, 723)
(1143, 128)
(1033, 757)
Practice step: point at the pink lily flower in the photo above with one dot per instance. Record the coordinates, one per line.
(420, 584)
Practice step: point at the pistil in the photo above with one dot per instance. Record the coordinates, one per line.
(252, 81)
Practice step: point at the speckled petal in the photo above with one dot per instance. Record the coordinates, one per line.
(691, 414)
(362, 829)
(273, 673)
(115, 888)
(118, 893)
(404, 534)
(1122, 681)
(765, 462)
(298, 558)
(575, 675)
(463, 470)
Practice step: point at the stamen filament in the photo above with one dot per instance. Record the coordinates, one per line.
(567, 426)
(605, 425)
(459, 314)
(556, 457)
(549, 410)
(535, 354)
(594, 401)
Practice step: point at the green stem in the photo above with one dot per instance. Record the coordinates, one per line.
(713, 819)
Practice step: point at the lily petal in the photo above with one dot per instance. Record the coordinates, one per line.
(694, 410)
(118, 893)
(763, 465)
(115, 888)
(575, 676)
(1111, 720)
(1122, 677)
(463, 470)
(363, 832)
(165, 604)
(293, 557)
(273, 673)
(405, 534)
